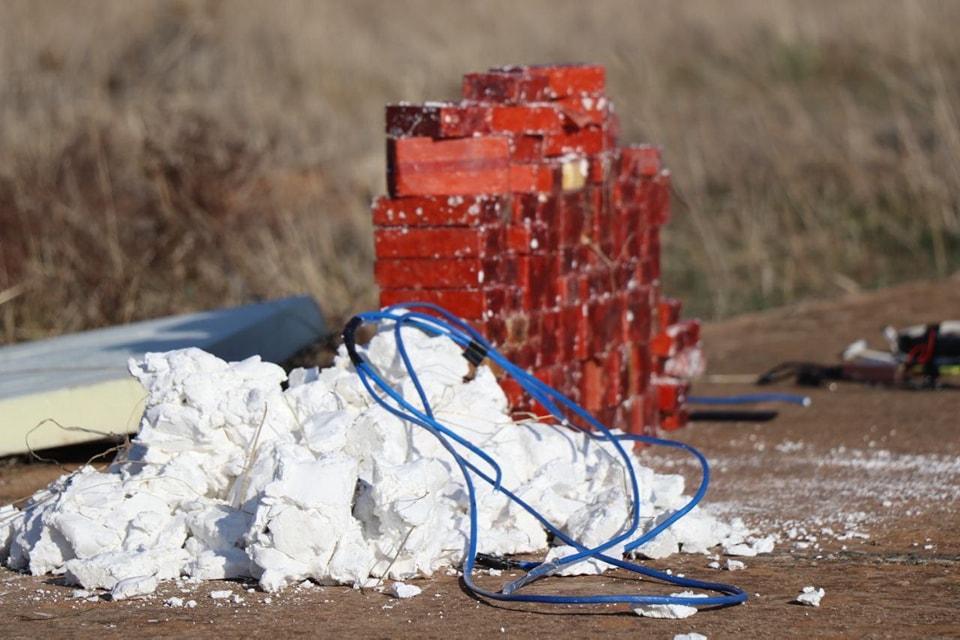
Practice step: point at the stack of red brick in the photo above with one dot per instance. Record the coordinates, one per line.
(515, 209)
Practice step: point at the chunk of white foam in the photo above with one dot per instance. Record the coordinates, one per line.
(669, 611)
(811, 596)
(404, 590)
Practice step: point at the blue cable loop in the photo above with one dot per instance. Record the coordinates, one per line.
(567, 412)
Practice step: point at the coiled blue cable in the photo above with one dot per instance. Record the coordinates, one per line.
(441, 322)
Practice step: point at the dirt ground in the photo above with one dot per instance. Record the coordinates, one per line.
(863, 487)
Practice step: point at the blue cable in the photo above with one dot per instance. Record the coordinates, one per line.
(750, 398)
(568, 413)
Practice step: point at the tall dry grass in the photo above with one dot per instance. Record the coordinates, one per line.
(172, 155)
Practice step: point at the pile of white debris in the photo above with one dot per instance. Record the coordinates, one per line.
(234, 474)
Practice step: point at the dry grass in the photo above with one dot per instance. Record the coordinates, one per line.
(165, 156)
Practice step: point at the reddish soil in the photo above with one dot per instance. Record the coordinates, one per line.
(867, 479)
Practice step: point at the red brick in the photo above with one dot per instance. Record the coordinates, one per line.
(436, 211)
(637, 419)
(633, 418)
(599, 281)
(575, 332)
(668, 311)
(551, 375)
(624, 274)
(617, 376)
(587, 140)
(526, 148)
(595, 210)
(438, 120)
(682, 334)
(658, 365)
(515, 301)
(600, 167)
(515, 393)
(674, 421)
(653, 263)
(663, 345)
(566, 259)
(601, 226)
(671, 393)
(606, 324)
(640, 161)
(622, 420)
(523, 355)
(648, 271)
(636, 221)
(585, 109)
(567, 79)
(607, 416)
(637, 315)
(534, 206)
(651, 414)
(676, 337)
(549, 332)
(571, 218)
(623, 233)
(469, 304)
(625, 194)
(509, 88)
(531, 237)
(650, 242)
(494, 329)
(659, 199)
(568, 290)
(532, 178)
(639, 368)
(541, 282)
(572, 379)
(591, 387)
(530, 118)
(439, 242)
(461, 166)
(634, 194)
(435, 274)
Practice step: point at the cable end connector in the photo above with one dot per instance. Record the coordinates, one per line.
(475, 353)
(350, 339)
(541, 571)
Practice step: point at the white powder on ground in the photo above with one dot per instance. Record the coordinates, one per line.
(231, 476)
(827, 495)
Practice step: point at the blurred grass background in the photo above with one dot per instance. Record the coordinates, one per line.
(164, 156)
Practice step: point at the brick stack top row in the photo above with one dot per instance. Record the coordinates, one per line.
(515, 209)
